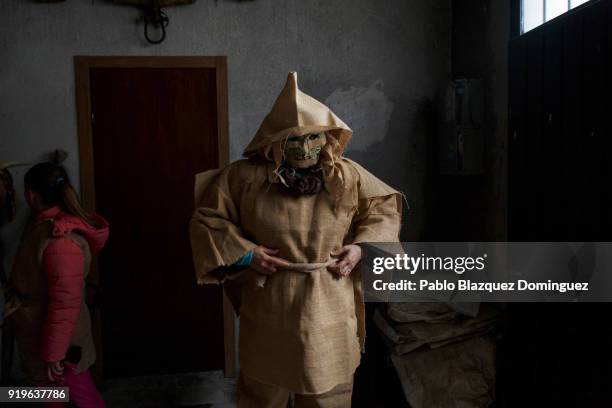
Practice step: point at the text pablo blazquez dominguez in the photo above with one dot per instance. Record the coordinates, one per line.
(459, 265)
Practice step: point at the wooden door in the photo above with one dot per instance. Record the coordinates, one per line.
(559, 190)
(154, 124)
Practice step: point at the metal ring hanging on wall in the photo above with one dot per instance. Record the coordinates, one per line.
(157, 17)
(154, 15)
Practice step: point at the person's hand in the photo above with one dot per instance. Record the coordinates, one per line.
(347, 258)
(55, 371)
(265, 262)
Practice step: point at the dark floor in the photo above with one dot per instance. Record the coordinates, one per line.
(201, 390)
(376, 381)
(376, 385)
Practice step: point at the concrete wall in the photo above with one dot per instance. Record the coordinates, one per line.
(375, 63)
(480, 33)
(379, 65)
(474, 208)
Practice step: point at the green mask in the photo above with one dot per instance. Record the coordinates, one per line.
(303, 151)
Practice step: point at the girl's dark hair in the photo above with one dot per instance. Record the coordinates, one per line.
(52, 184)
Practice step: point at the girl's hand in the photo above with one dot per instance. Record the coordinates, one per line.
(55, 371)
(348, 257)
(264, 261)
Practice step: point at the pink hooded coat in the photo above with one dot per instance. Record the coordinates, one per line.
(47, 285)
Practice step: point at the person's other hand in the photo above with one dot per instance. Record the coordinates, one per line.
(55, 371)
(347, 258)
(265, 262)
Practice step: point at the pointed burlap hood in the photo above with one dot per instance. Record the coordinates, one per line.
(295, 113)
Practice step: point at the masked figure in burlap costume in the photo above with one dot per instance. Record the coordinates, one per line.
(292, 214)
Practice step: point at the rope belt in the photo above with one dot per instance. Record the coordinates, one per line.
(296, 267)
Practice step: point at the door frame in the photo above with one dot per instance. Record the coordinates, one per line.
(82, 68)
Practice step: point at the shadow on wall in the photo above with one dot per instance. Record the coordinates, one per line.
(402, 160)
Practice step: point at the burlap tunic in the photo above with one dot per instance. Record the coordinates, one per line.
(301, 331)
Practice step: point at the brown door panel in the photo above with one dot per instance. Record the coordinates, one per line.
(152, 130)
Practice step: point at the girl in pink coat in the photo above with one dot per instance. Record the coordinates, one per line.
(52, 323)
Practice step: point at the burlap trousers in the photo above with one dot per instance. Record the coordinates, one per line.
(253, 394)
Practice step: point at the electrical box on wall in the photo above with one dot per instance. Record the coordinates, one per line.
(461, 138)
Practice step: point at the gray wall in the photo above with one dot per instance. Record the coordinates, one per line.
(377, 64)
(480, 35)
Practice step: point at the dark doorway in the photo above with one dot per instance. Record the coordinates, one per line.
(558, 354)
(152, 129)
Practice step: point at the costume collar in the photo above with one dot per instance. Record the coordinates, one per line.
(272, 177)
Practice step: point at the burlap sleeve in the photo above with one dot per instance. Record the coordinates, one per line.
(217, 239)
(379, 207)
(378, 219)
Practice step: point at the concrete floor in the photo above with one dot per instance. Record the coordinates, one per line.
(201, 390)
